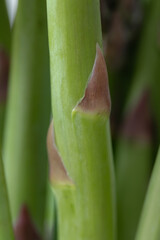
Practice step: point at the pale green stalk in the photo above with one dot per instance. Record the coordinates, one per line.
(28, 112)
(86, 207)
(6, 231)
(149, 226)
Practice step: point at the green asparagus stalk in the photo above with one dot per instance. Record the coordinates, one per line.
(149, 226)
(82, 167)
(6, 231)
(5, 36)
(147, 62)
(133, 164)
(134, 156)
(28, 113)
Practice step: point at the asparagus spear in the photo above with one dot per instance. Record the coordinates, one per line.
(133, 166)
(147, 62)
(149, 225)
(6, 231)
(28, 113)
(143, 79)
(84, 186)
(5, 37)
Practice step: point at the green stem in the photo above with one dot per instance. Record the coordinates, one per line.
(133, 166)
(5, 37)
(147, 64)
(149, 226)
(28, 112)
(86, 208)
(6, 231)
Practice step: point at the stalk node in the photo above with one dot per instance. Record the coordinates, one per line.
(96, 99)
(58, 172)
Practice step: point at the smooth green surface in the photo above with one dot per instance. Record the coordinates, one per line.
(90, 207)
(86, 211)
(28, 112)
(2, 119)
(149, 226)
(133, 164)
(6, 231)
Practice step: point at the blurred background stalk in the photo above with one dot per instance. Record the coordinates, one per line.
(133, 166)
(122, 21)
(134, 151)
(6, 231)
(5, 42)
(147, 74)
(149, 225)
(28, 113)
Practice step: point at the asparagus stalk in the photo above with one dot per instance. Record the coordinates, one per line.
(28, 112)
(147, 64)
(6, 231)
(133, 164)
(149, 225)
(137, 148)
(5, 36)
(82, 170)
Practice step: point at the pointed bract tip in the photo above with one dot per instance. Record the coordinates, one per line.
(4, 72)
(97, 96)
(25, 229)
(58, 173)
(138, 122)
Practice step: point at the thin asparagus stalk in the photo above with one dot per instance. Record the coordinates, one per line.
(28, 113)
(149, 225)
(6, 231)
(147, 63)
(82, 170)
(139, 148)
(119, 49)
(5, 36)
(133, 164)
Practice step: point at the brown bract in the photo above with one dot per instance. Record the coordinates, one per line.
(24, 229)
(4, 70)
(97, 95)
(58, 173)
(138, 122)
